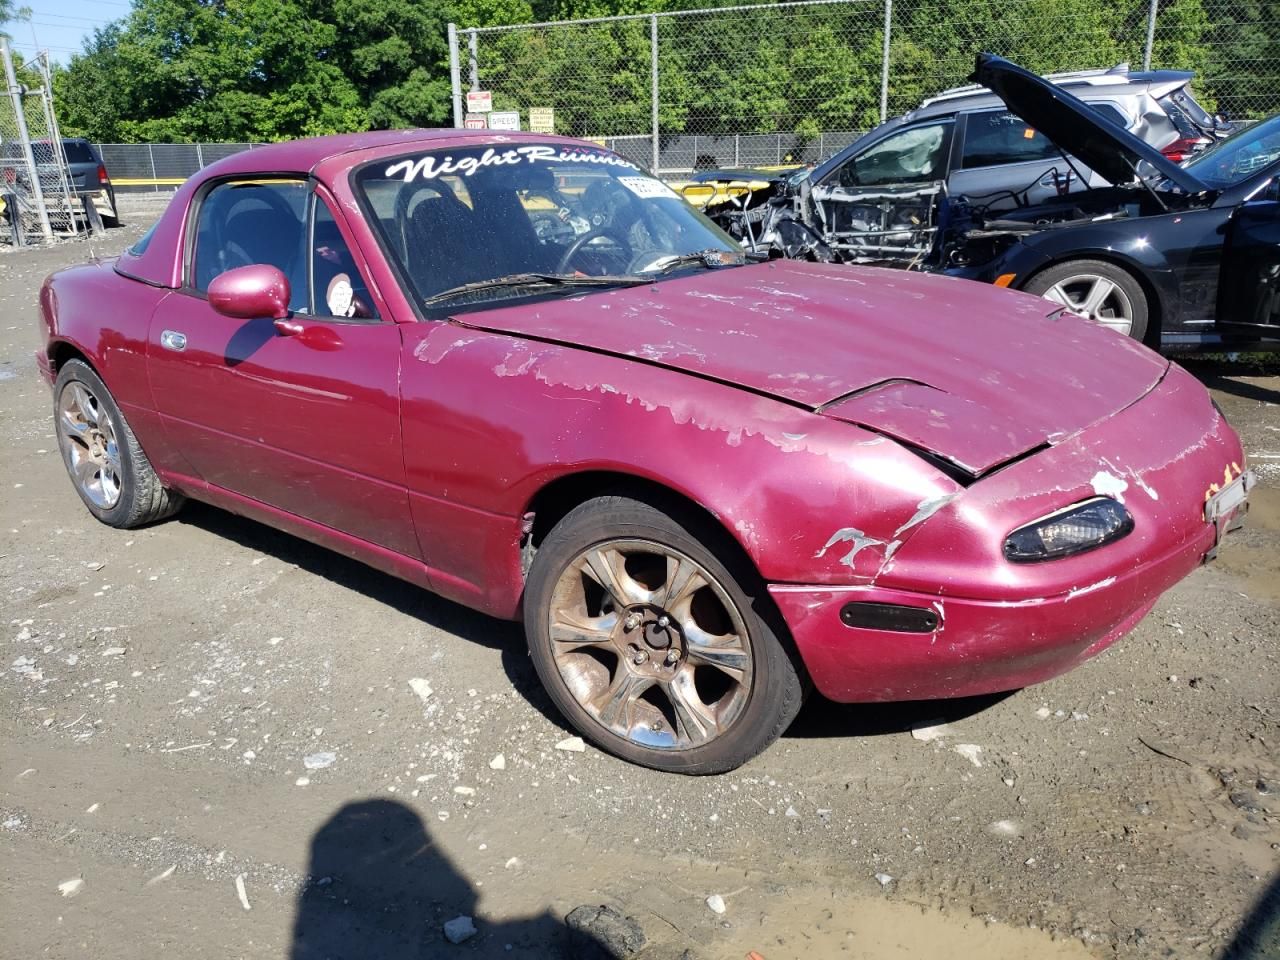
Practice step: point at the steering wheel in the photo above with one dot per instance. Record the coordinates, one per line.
(586, 238)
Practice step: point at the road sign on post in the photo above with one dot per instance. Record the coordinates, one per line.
(542, 119)
(504, 120)
(474, 121)
(479, 101)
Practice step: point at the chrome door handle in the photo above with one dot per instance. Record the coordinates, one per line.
(173, 340)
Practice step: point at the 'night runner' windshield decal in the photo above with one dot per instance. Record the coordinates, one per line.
(433, 165)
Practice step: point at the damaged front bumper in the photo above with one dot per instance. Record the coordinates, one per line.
(979, 646)
(978, 624)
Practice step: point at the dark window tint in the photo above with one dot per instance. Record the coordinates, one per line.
(139, 248)
(78, 151)
(259, 222)
(338, 289)
(1111, 113)
(999, 137)
(914, 155)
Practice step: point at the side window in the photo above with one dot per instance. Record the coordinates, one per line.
(914, 155)
(998, 137)
(337, 289)
(261, 221)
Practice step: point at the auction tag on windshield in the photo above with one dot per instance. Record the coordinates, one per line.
(647, 187)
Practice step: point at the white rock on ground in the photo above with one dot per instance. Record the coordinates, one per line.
(970, 751)
(459, 929)
(1005, 828)
(421, 688)
(884, 879)
(930, 731)
(715, 903)
(69, 888)
(318, 761)
(572, 745)
(498, 763)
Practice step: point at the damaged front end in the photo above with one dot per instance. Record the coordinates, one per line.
(832, 223)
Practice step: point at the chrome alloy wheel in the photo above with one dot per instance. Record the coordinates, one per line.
(87, 437)
(650, 645)
(1095, 298)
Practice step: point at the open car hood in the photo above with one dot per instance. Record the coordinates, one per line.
(1074, 126)
(966, 372)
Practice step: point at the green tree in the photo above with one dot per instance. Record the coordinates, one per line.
(1242, 60)
(259, 69)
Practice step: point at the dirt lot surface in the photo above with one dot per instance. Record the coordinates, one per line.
(210, 747)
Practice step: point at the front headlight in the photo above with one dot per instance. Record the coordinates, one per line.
(1074, 529)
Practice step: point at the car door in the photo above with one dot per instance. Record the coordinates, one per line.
(882, 202)
(302, 415)
(1249, 290)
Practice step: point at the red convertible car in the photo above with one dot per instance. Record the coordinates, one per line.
(522, 373)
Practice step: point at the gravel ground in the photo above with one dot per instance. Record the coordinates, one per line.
(217, 741)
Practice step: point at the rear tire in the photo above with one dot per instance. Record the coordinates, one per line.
(1096, 290)
(657, 640)
(103, 459)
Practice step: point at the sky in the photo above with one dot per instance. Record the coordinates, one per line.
(61, 25)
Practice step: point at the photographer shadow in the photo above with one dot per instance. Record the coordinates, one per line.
(379, 886)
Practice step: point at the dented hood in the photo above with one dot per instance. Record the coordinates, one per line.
(1074, 126)
(972, 373)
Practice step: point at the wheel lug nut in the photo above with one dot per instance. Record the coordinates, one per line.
(632, 621)
(664, 621)
(673, 655)
(640, 657)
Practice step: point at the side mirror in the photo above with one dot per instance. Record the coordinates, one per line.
(249, 293)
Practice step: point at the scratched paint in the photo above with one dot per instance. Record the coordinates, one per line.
(1109, 485)
(853, 536)
(1135, 477)
(1080, 591)
(926, 509)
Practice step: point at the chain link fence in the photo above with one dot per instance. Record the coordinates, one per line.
(761, 84)
(35, 183)
(160, 167)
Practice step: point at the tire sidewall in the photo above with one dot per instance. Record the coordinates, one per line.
(774, 674)
(1046, 278)
(76, 371)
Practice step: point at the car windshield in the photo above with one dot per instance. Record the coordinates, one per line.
(477, 225)
(1239, 156)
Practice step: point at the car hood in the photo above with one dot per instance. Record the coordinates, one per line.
(1074, 126)
(971, 373)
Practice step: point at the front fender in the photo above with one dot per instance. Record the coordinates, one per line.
(1129, 248)
(491, 419)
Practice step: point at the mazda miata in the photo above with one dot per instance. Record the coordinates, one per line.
(522, 373)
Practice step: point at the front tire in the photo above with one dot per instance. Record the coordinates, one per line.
(107, 466)
(1096, 290)
(655, 639)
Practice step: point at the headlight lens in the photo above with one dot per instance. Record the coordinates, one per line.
(1075, 529)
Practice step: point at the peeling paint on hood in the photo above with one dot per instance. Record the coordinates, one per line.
(805, 334)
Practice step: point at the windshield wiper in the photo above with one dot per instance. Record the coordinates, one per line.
(710, 258)
(535, 280)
